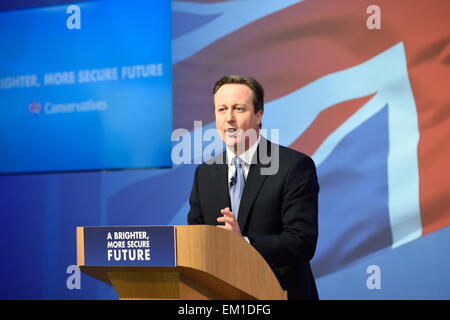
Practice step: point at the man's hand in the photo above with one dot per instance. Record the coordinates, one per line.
(231, 223)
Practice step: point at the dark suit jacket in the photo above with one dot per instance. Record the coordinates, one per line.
(278, 213)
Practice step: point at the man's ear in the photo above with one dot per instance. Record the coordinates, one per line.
(259, 115)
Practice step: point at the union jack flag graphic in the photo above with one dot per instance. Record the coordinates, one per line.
(35, 107)
(371, 107)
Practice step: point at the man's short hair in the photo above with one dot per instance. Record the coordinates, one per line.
(255, 86)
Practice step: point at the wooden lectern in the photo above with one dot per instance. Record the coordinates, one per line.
(211, 263)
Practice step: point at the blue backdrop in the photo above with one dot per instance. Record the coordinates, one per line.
(335, 89)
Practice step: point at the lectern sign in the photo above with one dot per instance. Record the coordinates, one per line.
(152, 246)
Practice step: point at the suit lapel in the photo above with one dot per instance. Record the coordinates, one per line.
(253, 184)
(220, 183)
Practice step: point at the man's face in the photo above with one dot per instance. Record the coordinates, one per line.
(236, 120)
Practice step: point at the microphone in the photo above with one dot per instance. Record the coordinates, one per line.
(232, 181)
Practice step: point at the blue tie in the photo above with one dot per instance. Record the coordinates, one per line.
(237, 186)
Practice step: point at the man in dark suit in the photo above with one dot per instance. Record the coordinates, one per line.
(276, 188)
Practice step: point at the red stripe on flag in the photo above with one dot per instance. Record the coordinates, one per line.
(326, 122)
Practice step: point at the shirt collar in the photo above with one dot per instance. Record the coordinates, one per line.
(247, 156)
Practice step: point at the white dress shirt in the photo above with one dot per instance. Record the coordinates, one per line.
(246, 160)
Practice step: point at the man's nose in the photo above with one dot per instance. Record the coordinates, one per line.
(230, 116)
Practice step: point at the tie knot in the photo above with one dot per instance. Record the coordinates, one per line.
(237, 162)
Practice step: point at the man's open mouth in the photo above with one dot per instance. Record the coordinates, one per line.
(231, 132)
